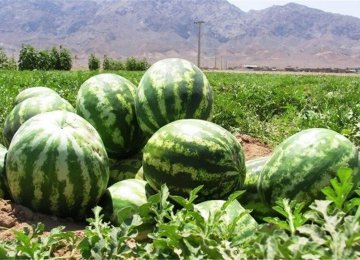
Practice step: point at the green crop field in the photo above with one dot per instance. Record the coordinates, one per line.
(268, 106)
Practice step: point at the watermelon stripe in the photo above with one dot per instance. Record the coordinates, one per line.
(199, 104)
(147, 122)
(153, 94)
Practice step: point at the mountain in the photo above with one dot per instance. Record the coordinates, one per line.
(289, 35)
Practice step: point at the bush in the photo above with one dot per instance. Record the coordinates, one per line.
(5, 62)
(93, 62)
(133, 64)
(112, 64)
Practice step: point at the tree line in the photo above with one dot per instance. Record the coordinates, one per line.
(131, 63)
(59, 58)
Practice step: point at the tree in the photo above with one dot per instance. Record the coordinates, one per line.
(135, 64)
(65, 59)
(44, 62)
(54, 59)
(93, 62)
(28, 58)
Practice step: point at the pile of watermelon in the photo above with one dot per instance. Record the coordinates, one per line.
(122, 143)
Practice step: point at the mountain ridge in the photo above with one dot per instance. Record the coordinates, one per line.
(288, 35)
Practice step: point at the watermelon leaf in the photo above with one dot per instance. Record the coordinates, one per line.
(340, 189)
(292, 211)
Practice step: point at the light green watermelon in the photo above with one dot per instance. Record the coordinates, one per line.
(3, 186)
(34, 92)
(29, 108)
(188, 153)
(140, 174)
(245, 225)
(305, 163)
(122, 200)
(107, 102)
(172, 89)
(122, 169)
(57, 164)
(251, 199)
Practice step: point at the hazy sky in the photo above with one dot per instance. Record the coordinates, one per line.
(348, 7)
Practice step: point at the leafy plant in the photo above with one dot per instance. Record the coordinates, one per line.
(34, 243)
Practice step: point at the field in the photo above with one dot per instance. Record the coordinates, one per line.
(267, 107)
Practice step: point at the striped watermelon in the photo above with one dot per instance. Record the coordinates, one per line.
(251, 199)
(245, 225)
(304, 163)
(57, 164)
(34, 92)
(122, 169)
(191, 152)
(29, 108)
(122, 200)
(3, 186)
(172, 89)
(107, 102)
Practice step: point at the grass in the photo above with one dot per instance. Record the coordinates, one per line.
(268, 106)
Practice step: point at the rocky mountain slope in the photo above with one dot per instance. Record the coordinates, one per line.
(290, 35)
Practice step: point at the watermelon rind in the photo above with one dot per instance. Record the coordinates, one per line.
(251, 199)
(172, 89)
(122, 200)
(107, 101)
(140, 174)
(34, 92)
(29, 108)
(127, 168)
(304, 163)
(3, 186)
(57, 164)
(188, 153)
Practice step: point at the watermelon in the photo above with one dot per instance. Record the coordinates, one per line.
(107, 102)
(122, 169)
(304, 163)
(245, 225)
(140, 174)
(251, 199)
(172, 89)
(188, 153)
(122, 200)
(57, 164)
(3, 186)
(29, 108)
(34, 92)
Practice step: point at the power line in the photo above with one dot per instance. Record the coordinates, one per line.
(199, 23)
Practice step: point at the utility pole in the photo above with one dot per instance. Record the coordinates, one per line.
(199, 23)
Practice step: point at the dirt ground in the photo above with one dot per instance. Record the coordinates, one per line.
(16, 217)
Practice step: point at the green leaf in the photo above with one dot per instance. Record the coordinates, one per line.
(341, 187)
